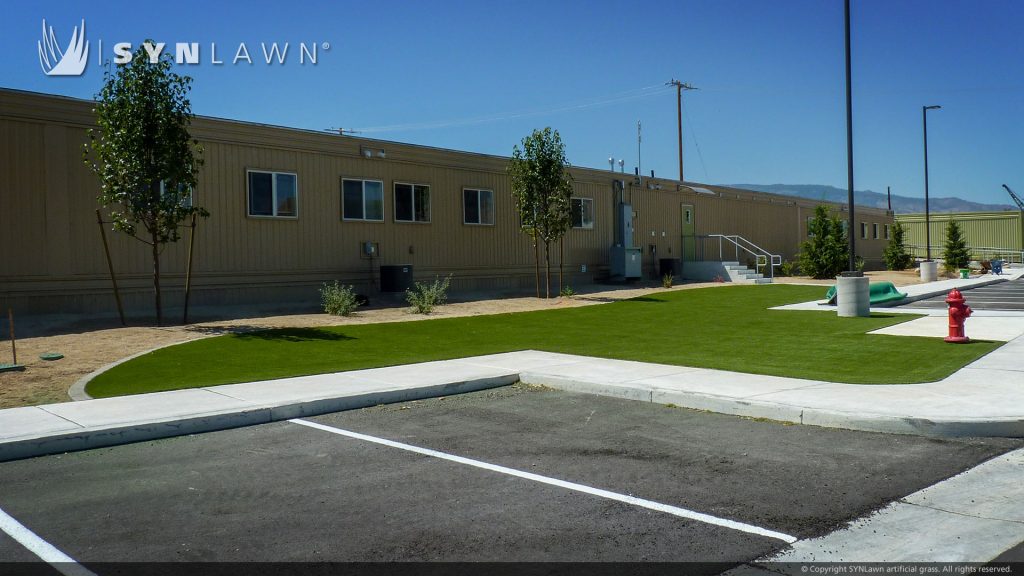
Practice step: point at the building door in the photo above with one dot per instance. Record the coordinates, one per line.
(689, 233)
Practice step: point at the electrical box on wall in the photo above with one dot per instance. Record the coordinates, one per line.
(369, 249)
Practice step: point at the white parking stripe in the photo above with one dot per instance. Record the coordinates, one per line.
(41, 548)
(674, 510)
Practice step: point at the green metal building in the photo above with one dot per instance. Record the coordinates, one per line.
(989, 234)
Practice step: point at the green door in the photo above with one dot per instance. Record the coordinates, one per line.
(689, 234)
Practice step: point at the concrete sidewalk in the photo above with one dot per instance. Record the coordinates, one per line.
(986, 398)
(915, 292)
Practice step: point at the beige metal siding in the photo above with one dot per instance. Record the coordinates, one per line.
(53, 258)
(994, 230)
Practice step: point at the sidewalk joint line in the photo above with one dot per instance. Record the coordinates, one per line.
(964, 514)
(64, 418)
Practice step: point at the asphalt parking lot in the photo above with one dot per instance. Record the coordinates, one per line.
(511, 474)
(1007, 295)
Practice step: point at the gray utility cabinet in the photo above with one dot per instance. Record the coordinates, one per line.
(626, 262)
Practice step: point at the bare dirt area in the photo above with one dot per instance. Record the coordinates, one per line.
(90, 345)
(897, 277)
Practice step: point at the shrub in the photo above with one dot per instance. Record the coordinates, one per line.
(896, 256)
(425, 297)
(567, 292)
(826, 253)
(338, 299)
(666, 280)
(788, 268)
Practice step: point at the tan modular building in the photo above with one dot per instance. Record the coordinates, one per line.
(292, 209)
(988, 234)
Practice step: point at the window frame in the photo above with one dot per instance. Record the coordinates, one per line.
(394, 198)
(186, 201)
(362, 183)
(273, 193)
(479, 221)
(887, 232)
(874, 230)
(583, 225)
(863, 230)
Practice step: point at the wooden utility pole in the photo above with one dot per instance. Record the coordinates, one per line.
(680, 86)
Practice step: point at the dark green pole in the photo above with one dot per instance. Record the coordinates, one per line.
(849, 143)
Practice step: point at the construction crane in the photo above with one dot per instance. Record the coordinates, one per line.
(1016, 198)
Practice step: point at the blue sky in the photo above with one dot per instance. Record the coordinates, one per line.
(479, 76)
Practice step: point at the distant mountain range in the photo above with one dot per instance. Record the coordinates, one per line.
(900, 204)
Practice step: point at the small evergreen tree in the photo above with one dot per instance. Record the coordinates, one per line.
(825, 253)
(896, 256)
(956, 253)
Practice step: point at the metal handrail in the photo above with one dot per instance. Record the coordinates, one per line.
(762, 257)
(1009, 254)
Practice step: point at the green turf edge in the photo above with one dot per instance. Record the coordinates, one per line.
(725, 328)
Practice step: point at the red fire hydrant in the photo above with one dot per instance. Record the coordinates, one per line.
(958, 313)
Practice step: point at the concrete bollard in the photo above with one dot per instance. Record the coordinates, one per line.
(929, 271)
(853, 296)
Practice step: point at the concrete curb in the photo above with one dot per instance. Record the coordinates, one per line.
(748, 408)
(972, 517)
(84, 437)
(77, 390)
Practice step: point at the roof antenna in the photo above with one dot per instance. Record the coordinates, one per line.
(343, 131)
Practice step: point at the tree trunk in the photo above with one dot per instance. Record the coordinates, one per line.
(561, 258)
(536, 265)
(156, 279)
(547, 269)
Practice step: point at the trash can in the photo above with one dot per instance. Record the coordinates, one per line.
(965, 273)
(396, 278)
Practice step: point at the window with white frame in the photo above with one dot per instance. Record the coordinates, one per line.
(874, 230)
(184, 193)
(362, 199)
(273, 194)
(477, 206)
(412, 202)
(582, 212)
(864, 230)
(886, 231)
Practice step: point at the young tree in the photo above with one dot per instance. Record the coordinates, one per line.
(956, 253)
(826, 253)
(143, 154)
(896, 256)
(542, 188)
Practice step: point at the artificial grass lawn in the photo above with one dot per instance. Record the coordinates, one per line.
(728, 328)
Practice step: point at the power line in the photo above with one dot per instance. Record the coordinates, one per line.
(634, 94)
(696, 144)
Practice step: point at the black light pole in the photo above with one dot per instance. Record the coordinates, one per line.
(927, 221)
(849, 143)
